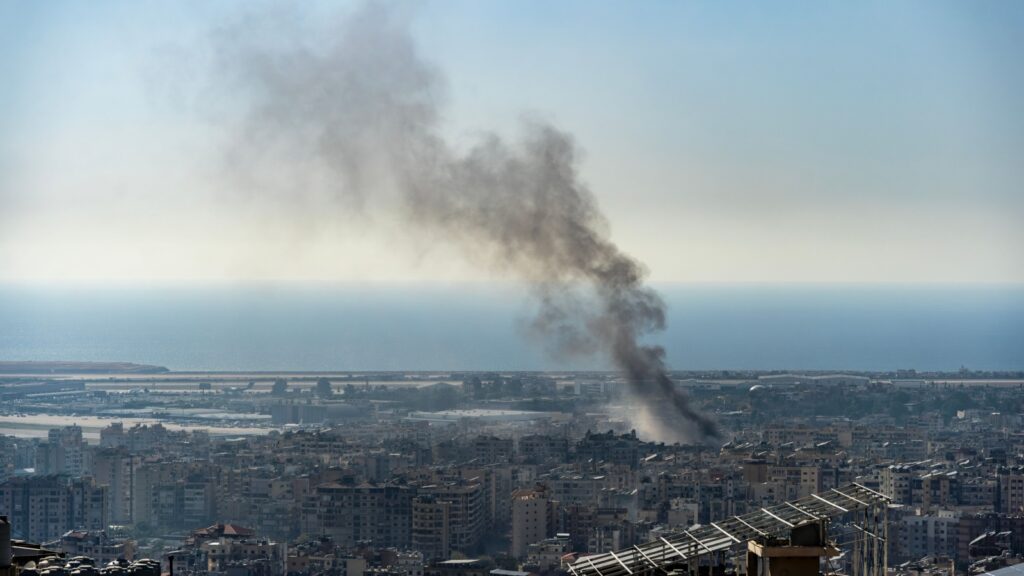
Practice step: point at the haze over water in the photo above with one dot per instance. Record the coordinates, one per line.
(480, 327)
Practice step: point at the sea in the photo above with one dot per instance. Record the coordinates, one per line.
(482, 326)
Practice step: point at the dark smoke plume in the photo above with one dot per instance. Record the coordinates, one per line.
(363, 108)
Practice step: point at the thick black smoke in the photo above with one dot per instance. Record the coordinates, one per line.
(361, 107)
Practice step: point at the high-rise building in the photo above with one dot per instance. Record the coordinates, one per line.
(113, 468)
(467, 512)
(1011, 491)
(8, 456)
(64, 452)
(491, 449)
(609, 447)
(928, 535)
(533, 518)
(178, 494)
(113, 436)
(351, 514)
(43, 508)
(431, 527)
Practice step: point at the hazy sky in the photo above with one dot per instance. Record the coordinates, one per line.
(766, 142)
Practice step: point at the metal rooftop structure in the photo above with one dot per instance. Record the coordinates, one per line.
(683, 547)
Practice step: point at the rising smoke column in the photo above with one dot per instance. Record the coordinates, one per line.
(361, 109)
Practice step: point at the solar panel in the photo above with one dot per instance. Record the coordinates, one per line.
(687, 545)
(1015, 570)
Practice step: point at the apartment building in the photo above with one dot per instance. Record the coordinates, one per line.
(363, 513)
(431, 527)
(44, 508)
(534, 515)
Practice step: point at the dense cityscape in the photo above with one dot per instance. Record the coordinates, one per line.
(468, 473)
(511, 288)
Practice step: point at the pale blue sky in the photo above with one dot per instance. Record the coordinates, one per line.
(726, 141)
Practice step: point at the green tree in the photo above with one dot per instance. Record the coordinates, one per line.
(442, 397)
(323, 388)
